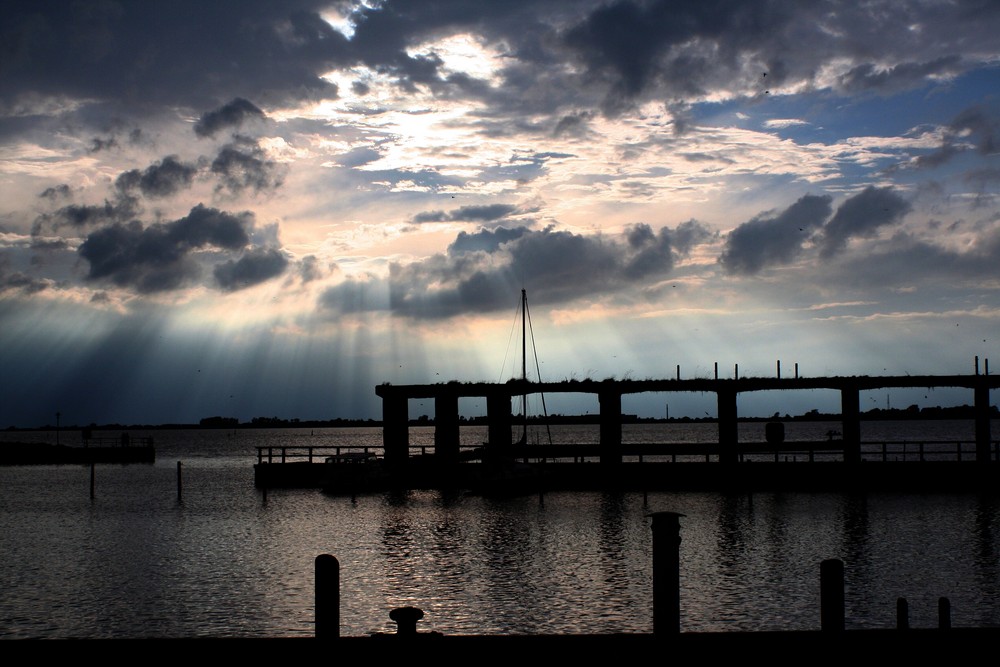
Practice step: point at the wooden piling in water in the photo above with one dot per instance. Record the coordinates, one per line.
(944, 614)
(327, 594)
(831, 595)
(666, 573)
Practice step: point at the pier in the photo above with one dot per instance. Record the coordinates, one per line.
(836, 463)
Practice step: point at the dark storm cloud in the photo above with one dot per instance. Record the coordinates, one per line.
(562, 57)
(861, 216)
(184, 52)
(87, 215)
(242, 165)
(976, 128)
(869, 77)
(484, 240)
(254, 267)
(309, 269)
(485, 213)
(480, 271)
(21, 283)
(160, 179)
(157, 258)
(771, 240)
(98, 144)
(229, 116)
(56, 193)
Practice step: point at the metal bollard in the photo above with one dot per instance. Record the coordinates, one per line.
(406, 620)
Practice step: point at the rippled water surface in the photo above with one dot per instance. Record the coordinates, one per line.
(224, 561)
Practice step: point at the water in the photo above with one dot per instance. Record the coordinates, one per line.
(135, 562)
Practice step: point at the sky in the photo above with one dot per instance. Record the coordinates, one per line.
(249, 208)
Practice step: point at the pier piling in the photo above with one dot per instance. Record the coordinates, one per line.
(944, 614)
(327, 597)
(831, 594)
(902, 614)
(666, 573)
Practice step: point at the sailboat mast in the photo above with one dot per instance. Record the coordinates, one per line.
(524, 360)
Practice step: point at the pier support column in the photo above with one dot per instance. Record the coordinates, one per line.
(498, 416)
(982, 407)
(446, 427)
(728, 431)
(395, 429)
(850, 415)
(611, 426)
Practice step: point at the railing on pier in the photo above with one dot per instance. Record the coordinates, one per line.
(124, 440)
(320, 453)
(811, 451)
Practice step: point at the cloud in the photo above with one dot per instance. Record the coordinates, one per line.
(242, 165)
(56, 192)
(87, 215)
(232, 115)
(902, 76)
(861, 216)
(255, 266)
(20, 282)
(771, 240)
(160, 179)
(158, 257)
(481, 271)
(486, 213)
(976, 128)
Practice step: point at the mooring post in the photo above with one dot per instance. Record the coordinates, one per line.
(666, 573)
(728, 426)
(944, 614)
(981, 401)
(179, 485)
(406, 620)
(902, 614)
(327, 597)
(831, 595)
(91, 481)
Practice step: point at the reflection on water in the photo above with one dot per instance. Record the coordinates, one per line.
(135, 562)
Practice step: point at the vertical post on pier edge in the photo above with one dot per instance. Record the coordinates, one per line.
(666, 573)
(850, 415)
(395, 428)
(982, 408)
(327, 597)
(446, 436)
(498, 416)
(611, 426)
(728, 430)
(831, 595)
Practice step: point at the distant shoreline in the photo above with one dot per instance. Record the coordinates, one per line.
(208, 423)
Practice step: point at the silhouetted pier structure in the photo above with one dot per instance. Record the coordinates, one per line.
(646, 466)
